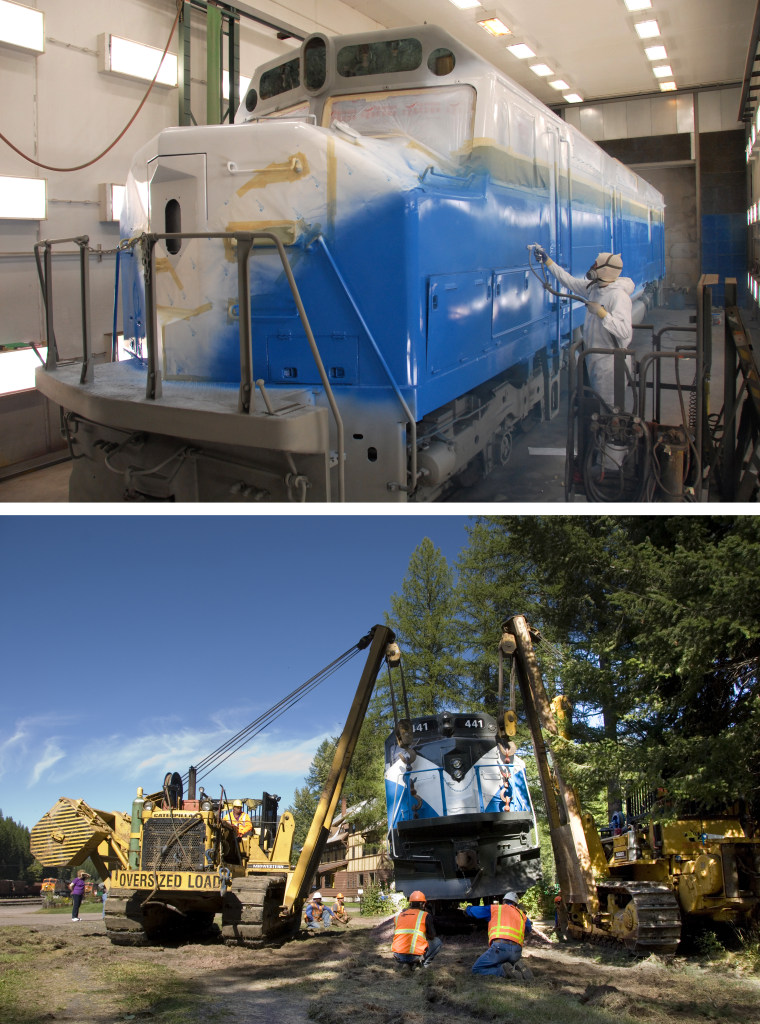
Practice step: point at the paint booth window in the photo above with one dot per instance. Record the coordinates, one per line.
(383, 58)
(281, 79)
(440, 118)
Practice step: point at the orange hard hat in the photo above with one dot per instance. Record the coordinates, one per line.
(339, 896)
(417, 897)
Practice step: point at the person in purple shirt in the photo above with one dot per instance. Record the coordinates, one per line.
(77, 892)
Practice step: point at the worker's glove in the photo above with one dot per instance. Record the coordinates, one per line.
(542, 256)
(598, 308)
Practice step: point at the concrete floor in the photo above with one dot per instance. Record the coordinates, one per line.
(50, 484)
(536, 470)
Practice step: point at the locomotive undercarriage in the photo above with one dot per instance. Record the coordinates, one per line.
(192, 445)
(472, 435)
(465, 857)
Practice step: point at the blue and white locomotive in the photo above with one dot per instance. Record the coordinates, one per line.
(388, 185)
(461, 823)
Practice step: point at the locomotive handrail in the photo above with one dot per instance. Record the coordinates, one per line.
(45, 274)
(383, 363)
(245, 241)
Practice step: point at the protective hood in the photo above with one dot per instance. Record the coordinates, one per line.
(625, 283)
(606, 268)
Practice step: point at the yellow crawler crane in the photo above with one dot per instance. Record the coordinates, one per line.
(637, 882)
(174, 863)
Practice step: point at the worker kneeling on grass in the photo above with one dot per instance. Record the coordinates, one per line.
(507, 927)
(414, 940)
(339, 912)
(318, 917)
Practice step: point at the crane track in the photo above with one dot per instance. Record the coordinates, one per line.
(647, 919)
(251, 912)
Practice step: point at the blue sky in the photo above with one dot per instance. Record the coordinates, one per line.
(135, 645)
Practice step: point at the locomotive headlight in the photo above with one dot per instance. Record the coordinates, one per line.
(206, 805)
(148, 805)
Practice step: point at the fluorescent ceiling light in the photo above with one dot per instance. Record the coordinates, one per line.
(494, 26)
(647, 29)
(466, 5)
(23, 198)
(136, 60)
(668, 86)
(663, 71)
(656, 53)
(21, 27)
(521, 51)
(573, 97)
(559, 84)
(638, 5)
(542, 70)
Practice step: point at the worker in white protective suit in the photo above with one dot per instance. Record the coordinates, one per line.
(608, 313)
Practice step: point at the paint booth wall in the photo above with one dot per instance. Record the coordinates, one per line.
(64, 111)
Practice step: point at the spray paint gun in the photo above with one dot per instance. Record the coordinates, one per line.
(545, 280)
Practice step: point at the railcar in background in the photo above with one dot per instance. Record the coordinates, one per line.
(331, 298)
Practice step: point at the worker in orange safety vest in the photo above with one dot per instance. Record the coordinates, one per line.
(507, 928)
(339, 912)
(414, 940)
(239, 820)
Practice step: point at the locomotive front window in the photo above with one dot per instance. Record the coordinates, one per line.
(441, 61)
(281, 79)
(315, 63)
(379, 58)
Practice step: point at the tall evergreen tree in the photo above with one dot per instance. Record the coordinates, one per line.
(658, 621)
(306, 798)
(425, 617)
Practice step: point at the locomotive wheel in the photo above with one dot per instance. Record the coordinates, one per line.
(505, 446)
(251, 912)
(646, 919)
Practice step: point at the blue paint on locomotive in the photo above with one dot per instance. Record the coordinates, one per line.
(422, 792)
(435, 254)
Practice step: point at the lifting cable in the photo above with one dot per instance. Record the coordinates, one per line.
(245, 735)
(125, 129)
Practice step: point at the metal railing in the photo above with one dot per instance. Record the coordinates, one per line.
(244, 242)
(43, 254)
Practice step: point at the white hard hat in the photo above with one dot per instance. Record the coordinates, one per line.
(237, 803)
(316, 896)
(510, 897)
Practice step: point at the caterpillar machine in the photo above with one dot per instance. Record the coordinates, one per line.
(638, 883)
(175, 862)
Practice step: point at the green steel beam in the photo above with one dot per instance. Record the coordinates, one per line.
(213, 65)
(185, 116)
(233, 63)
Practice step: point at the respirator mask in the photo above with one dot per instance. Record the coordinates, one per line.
(605, 269)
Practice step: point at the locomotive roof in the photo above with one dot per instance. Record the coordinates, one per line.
(388, 59)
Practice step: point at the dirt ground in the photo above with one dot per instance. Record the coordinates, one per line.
(54, 970)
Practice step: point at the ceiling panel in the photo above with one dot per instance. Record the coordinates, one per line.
(593, 44)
